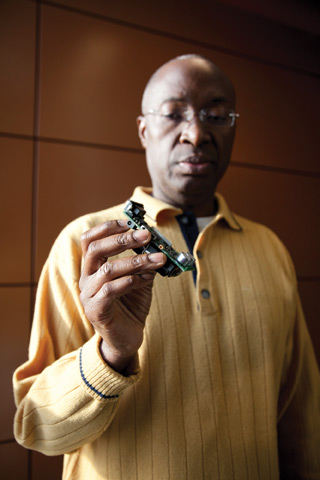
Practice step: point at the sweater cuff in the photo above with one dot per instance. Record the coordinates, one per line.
(97, 377)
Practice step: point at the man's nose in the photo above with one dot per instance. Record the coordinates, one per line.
(195, 132)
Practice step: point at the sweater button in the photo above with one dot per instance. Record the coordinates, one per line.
(185, 220)
(205, 293)
(199, 254)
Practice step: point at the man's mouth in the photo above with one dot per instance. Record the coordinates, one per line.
(195, 165)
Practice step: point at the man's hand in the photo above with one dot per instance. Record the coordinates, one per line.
(116, 294)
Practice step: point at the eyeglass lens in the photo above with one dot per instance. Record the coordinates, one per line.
(177, 112)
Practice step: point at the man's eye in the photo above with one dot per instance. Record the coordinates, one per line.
(215, 118)
(174, 116)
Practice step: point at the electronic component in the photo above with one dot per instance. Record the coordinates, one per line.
(177, 262)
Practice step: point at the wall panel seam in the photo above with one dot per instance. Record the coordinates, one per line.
(35, 172)
(140, 151)
(270, 168)
(7, 440)
(308, 278)
(36, 130)
(173, 36)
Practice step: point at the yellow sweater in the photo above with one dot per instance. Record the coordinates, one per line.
(227, 388)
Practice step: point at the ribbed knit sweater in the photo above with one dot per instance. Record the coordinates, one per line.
(226, 387)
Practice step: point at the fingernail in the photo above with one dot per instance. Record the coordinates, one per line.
(122, 223)
(140, 234)
(156, 257)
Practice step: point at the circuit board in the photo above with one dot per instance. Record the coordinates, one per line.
(177, 262)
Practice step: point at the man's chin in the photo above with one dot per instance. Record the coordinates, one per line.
(196, 184)
(191, 191)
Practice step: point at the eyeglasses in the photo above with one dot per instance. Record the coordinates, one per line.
(214, 116)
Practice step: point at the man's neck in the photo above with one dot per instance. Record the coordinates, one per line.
(204, 209)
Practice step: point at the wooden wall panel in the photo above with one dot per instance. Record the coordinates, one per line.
(17, 44)
(93, 76)
(48, 468)
(15, 211)
(310, 294)
(302, 15)
(215, 23)
(278, 126)
(76, 180)
(288, 204)
(15, 310)
(94, 73)
(14, 462)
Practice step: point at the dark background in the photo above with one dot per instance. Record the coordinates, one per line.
(71, 77)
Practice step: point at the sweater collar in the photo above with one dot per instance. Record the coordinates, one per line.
(225, 213)
(158, 210)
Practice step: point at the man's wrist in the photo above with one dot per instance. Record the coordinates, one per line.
(124, 365)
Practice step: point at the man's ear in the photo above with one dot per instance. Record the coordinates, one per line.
(142, 130)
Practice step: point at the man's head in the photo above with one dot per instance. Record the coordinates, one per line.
(187, 132)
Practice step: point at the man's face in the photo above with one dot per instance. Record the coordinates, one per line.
(186, 157)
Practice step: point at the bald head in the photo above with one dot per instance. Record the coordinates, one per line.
(187, 62)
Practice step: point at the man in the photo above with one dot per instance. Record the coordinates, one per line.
(133, 375)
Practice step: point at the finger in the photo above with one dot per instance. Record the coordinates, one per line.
(117, 288)
(100, 250)
(137, 264)
(98, 232)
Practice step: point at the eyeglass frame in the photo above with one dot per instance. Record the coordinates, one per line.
(199, 114)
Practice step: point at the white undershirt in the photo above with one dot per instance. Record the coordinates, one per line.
(202, 222)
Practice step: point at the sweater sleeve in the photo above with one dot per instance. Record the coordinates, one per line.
(299, 407)
(66, 395)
